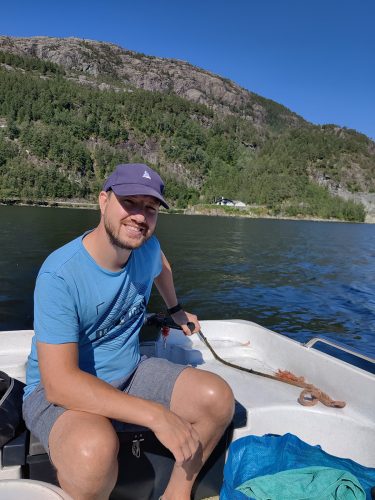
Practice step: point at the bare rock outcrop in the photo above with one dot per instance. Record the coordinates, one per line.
(150, 73)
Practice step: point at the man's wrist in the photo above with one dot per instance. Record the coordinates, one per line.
(174, 309)
(153, 415)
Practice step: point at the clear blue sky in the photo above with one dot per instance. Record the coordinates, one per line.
(317, 57)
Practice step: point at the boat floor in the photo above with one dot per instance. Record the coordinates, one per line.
(272, 406)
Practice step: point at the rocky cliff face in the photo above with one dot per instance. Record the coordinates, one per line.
(150, 73)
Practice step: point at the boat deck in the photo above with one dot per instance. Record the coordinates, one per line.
(272, 406)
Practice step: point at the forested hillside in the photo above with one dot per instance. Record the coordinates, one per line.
(62, 132)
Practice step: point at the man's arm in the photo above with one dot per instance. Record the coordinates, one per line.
(164, 283)
(68, 386)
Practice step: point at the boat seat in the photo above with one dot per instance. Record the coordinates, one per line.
(145, 464)
(35, 446)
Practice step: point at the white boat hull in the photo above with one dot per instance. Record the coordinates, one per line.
(271, 405)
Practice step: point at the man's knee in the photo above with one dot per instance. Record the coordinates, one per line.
(218, 399)
(90, 442)
(99, 450)
(84, 451)
(201, 394)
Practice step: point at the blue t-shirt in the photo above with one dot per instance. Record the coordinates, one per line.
(102, 311)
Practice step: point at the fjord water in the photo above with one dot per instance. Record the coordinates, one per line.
(299, 278)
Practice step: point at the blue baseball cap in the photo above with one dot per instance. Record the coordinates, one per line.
(132, 179)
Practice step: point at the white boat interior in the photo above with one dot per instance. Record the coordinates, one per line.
(271, 406)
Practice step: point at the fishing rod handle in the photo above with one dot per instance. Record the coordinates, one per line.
(191, 326)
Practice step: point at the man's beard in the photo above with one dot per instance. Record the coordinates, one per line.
(116, 242)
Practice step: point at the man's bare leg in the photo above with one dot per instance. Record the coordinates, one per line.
(84, 448)
(206, 401)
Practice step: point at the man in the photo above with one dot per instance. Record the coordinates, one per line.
(85, 374)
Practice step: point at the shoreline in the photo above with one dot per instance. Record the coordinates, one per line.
(215, 211)
(50, 204)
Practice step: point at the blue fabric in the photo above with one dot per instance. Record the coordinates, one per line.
(308, 483)
(76, 300)
(254, 456)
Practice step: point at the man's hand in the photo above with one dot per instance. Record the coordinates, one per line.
(178, 435)
(182, 318)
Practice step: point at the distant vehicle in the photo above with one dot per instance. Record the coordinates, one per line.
(231, 203)
(225, 201)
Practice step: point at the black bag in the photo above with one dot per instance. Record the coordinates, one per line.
(11, 421)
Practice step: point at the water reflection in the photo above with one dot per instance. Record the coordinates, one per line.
(297, 278)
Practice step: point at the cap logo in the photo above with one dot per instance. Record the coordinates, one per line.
(146, 175)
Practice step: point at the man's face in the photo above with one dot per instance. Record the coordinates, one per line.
(128, 220)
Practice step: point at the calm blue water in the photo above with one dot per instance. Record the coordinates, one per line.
(298, 278)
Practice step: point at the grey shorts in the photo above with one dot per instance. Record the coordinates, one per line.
(153, 379)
